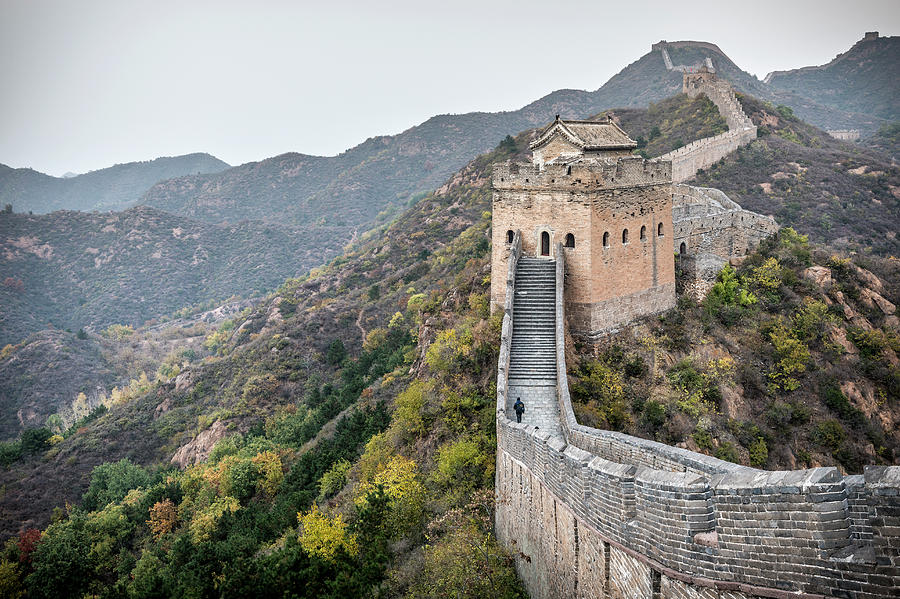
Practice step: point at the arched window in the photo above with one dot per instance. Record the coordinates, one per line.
(624, 236)
(606, 239)
(643, 233)
(659, 232)
(545, 243)
(683, 249)
(570, 241)
(509, 236)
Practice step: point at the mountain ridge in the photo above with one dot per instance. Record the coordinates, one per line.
(110, 188)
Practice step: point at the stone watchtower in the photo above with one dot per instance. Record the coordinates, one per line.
(692, 82)
(610, 210)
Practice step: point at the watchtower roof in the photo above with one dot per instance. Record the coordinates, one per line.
(589, 136)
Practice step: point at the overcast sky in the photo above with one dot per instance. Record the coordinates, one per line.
(90, 83)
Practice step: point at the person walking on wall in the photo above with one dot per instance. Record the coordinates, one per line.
(519, 407)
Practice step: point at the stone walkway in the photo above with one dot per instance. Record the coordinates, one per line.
(532, 364)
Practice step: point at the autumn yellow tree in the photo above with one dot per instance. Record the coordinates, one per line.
(324, 537)
(163, 517)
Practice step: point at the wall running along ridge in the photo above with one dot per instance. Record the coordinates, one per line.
(844, 134)
(592, 513)
(702, 153)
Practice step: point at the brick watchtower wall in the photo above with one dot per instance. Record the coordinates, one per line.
(624, 202)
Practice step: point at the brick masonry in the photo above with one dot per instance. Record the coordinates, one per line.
(619, 212)
(710, 229)
(594, 513)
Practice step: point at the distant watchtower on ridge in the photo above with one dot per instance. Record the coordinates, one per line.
(610, 210)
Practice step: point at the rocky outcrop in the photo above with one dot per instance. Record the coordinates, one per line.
(198, 449)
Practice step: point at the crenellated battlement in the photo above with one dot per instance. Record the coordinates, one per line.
(605, 173)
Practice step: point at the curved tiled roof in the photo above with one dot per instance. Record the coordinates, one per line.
(587, 135)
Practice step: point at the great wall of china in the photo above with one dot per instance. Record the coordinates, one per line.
(703, 153)
(596, 514)
(592, 513)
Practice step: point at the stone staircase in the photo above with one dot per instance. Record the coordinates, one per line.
(533, 350)
(532, 362)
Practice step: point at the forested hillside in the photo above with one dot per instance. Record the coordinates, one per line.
(366, 387)
(71, 270)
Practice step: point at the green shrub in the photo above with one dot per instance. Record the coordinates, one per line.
(728, 452)
(654, 414)
(464, 466)
(35, 440)
(635, 367)
(838, 402)
(698, 391)
(759, 453)
(10, 451)
(409, 406)
(336, 352)
(810, 319)
(829, 434)
(112, 481)
(703, 438)
(600, 388)
(729, 298)
(791, 358)
(333, 480)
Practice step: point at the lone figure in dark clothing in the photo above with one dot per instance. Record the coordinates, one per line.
(519, 407)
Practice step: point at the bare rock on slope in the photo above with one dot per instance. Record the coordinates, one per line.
(198, 449)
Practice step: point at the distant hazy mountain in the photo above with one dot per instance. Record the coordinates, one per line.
(862, 79)
(348, 190)
(74, 269)
(113, 188)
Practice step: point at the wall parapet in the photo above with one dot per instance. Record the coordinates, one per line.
(587, 174)
(515, 252)
(706, 220)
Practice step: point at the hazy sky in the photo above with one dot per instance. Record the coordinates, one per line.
(90, 83)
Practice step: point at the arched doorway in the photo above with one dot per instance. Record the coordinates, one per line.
(545, 243)
(683, 249)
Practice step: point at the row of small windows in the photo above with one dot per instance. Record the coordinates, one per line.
(570, 238)
(659, 233)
